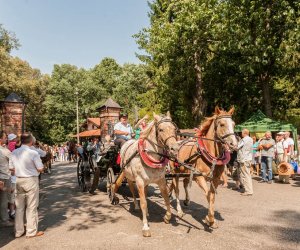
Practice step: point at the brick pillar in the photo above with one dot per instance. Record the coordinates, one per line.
(12, 117)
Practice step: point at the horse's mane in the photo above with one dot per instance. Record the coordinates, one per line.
(205, 125)
(147, 130)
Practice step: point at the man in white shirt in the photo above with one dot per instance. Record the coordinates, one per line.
(244, 159)
(122, 131)
(289, 146)
(27, 165)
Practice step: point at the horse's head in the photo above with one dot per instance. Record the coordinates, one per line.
(224, 127)
(166, 132)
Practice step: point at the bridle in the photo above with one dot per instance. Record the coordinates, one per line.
(221, 138)
(164, 120)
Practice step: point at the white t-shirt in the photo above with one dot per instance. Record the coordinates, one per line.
(125, 128)
(25, 162)
(289, 142)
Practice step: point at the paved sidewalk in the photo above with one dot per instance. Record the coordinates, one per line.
(73, 220)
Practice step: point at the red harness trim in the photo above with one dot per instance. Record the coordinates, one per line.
(148, 160)
(220, 161)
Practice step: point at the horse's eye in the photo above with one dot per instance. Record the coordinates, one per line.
(161, 130)
(222, 124)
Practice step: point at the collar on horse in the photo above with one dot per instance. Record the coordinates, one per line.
(214, 161)
(147, 159)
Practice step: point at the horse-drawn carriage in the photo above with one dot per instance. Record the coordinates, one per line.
(144, 162)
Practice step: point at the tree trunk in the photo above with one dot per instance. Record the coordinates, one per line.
(199, 104)
(265, 82)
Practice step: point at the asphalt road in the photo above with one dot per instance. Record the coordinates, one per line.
(73, 220)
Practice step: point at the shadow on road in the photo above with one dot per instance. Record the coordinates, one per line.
(61, 199)
(287, 231)
(156, 208)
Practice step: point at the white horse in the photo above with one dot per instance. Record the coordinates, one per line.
(148, 165)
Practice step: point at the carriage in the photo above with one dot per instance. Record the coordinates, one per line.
(92, 168)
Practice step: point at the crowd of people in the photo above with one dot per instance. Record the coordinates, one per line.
(263, 156)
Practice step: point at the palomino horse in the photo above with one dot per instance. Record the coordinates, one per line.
(143, 163)
(207, 154)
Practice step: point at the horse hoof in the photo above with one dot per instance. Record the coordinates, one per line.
(167, 218)
(115, 200)
(186, 203)
(146, 233)
(180, 214)
(210, 224)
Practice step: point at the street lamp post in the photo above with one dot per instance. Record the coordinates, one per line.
(77, 114)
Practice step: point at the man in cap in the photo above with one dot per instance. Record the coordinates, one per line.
(122, 130)
(12, 142)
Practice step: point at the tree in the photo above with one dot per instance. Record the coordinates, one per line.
(202, 53)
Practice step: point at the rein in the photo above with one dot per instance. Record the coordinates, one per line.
(143, 152)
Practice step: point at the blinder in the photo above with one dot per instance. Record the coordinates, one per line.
(171, 136)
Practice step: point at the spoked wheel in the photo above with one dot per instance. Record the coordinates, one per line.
(80, 176)
(111, 178)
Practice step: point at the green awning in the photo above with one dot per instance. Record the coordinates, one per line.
(260, 123)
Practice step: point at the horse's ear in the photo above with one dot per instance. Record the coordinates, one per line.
(168, 114)
(156, 117)
(217, 110)
(231, 111)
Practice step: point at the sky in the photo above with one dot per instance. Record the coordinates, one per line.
(78, 32)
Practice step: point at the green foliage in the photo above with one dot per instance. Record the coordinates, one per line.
(237, 52)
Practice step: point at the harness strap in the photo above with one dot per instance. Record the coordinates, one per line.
(130, 158)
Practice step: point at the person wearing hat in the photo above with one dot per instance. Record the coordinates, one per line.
(280, 151)
(5, 174)
(12, 142)
(122, 131)
(140, 126)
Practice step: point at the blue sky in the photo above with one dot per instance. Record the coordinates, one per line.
(79, 32)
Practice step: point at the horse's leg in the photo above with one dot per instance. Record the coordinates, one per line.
(176, 188)
(202, 184)
(186, 202)
(131, 187)
(146, 195)
(143, 204)
(164, 192)
(210, 218)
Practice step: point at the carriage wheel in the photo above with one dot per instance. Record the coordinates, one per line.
(111, 178)
(80, 176)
